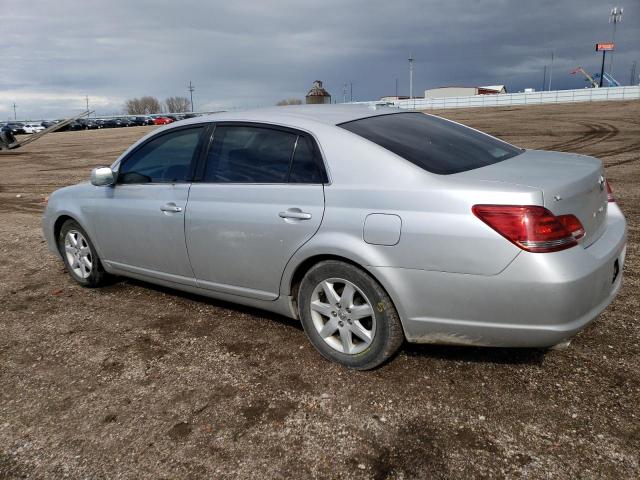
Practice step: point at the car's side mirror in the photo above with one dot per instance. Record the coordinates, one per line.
(102, 176)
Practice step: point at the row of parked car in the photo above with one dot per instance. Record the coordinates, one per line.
(96, 123)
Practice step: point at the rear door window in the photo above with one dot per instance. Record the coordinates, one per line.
(248, 154)
(434, 144)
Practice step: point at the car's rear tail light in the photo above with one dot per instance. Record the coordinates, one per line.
(530, 227)
(610, 197)
(573, 225)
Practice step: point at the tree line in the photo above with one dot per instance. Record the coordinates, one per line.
(149, 105)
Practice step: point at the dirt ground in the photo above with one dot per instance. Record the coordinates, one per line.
(135, 381)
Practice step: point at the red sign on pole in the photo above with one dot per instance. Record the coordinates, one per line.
(604, 47)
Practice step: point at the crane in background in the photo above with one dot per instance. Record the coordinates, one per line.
(593, 83)
(612, 81)
(608, 78)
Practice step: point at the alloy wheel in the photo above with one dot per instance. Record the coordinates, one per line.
(343, 316)
(78, 253)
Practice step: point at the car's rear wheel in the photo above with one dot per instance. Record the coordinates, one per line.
(348, 316)
(80, 256)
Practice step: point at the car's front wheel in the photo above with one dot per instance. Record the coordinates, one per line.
(80, 256)
(348, 316)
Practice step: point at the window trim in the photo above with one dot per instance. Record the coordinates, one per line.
(317, 154)
(195, 158)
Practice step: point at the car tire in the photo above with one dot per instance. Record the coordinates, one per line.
(80, 257)
(348, 316)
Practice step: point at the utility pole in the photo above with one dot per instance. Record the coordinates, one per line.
(632, 81)
(344, 93)
(14, 111)
(544, 78)
(615, 17)
(410, 75)
(551, 70)
(351, 94)
(86, 98)
(396, 88)
(191, 88)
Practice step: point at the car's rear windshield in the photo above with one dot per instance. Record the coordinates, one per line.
(434, 144)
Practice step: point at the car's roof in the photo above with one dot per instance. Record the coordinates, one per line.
(327, 114)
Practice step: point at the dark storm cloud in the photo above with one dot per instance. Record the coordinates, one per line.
(255, 53)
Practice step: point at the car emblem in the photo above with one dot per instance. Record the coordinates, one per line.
(557, 198)
(601, 182)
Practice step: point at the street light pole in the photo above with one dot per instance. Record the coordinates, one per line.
(615, 17)
(604, 53)
(14, 111)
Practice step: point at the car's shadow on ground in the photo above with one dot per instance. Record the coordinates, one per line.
(515, 356)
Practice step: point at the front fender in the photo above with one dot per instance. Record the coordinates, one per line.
(73, 202)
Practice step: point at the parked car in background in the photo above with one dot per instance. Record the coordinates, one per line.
(74, 126)
(142, 120)
(17, 128)
(90, 123)
(371, 226)
(48, 123)
(113, 123)
(32, 127)
(162, 120)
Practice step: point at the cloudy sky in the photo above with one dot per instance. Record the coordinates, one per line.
(244, 54)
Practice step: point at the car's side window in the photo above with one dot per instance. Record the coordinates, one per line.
(165, 158)
(304, 167)
(247, 154)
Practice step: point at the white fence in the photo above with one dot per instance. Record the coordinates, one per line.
(532, 98)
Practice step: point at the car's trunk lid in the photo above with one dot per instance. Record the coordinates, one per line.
(570, 184)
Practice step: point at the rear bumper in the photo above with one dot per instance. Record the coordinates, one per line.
(539, 300)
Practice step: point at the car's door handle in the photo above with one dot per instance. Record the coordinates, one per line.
(171, 207)
(295, 213)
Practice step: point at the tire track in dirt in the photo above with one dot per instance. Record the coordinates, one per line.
(596, 133)
(622, 162)
(620, 150)
(22, 205)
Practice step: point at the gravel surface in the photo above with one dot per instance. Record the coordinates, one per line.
(136, 381)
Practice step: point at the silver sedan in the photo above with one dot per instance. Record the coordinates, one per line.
(370, 225)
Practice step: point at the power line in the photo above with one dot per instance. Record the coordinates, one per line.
(551, 70)
(411, 75)
(191, 88)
